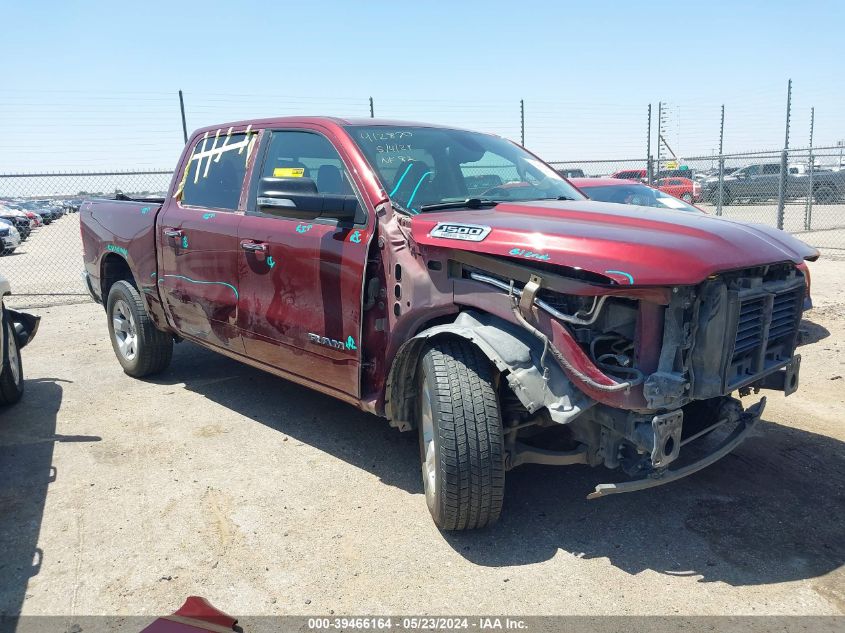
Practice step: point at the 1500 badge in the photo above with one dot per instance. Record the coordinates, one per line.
(459, 231)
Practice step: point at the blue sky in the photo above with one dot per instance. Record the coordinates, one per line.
(89, 85)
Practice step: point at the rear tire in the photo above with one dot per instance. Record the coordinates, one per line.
(141, 348)
(460, 429)
(824, 195)
(11, 371)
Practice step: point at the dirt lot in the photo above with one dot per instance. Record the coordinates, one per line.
(122, 496)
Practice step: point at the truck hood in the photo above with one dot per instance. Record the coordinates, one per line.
(629, 244)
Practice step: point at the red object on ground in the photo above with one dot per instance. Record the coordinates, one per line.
(197, 614)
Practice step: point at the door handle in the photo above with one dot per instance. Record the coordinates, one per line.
(173, 232)
(254, 246)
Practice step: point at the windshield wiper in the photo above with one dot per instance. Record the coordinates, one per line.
(469, 203)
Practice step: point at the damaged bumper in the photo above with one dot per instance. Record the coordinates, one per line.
(747, 421)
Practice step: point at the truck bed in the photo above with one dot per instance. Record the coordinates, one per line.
(120, 228)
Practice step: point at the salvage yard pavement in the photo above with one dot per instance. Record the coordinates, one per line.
(123, 496)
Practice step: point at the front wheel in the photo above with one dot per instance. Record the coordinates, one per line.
(11, 369)
(460, 429)
(140, 347)
(687, 197)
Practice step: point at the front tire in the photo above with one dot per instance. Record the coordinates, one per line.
(460, 429)
(687, 197)
(140, 347)
(11, 371)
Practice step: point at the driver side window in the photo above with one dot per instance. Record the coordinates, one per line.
(307, 155)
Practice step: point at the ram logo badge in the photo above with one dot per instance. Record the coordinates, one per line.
(460, 231)
(330, 342)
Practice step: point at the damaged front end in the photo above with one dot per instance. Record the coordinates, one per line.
(630, 377)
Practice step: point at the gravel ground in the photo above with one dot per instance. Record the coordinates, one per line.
(123, 496)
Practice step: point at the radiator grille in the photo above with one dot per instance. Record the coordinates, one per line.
(784, 314)
(758, 348)
(749, 332)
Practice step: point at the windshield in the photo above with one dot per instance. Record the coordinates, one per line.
(420, 166)
(642, 195)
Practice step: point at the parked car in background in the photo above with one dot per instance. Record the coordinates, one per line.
(21, 222)
(17, 329)
(571, 173)
(761, 181)
(34, 218)
(684, 188)
(10, 239)
(675, 173)
(631, 174)
(626, 192)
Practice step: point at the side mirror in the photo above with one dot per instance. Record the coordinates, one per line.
(299, 198)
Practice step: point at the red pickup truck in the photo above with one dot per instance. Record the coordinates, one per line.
(452, 282)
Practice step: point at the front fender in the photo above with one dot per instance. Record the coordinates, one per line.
(515, 353)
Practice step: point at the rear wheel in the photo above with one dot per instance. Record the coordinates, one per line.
(11, 372)
(140, 347)
(460, 428)
(824, 195)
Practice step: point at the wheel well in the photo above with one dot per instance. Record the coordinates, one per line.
(114, 268)
(401, 393)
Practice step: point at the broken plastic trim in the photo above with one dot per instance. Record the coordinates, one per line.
(748, 419)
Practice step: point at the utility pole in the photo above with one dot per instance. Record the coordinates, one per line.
(648, 148)
(522, 122)
(372, 110)
(784, 159)
(184, 125)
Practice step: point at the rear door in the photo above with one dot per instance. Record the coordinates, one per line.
(197, 233)
(301, 276)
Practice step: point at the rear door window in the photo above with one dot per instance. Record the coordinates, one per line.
(214, 176)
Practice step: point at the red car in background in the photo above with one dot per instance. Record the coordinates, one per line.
(684, 188)
(631, 174)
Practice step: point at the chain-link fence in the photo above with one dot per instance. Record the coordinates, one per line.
(798, 190)
(42, 256)
(807, 198)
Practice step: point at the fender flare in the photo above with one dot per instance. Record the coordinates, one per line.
(515, 354)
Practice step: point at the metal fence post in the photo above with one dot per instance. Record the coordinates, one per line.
(522, 122)
(721, 162)
(372, 110)
(184, 125)
(784, 160)
(808, 214)
(659, 132)
(648, 147)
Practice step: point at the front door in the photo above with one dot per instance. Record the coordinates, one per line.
(197, 234)
(301, 277)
